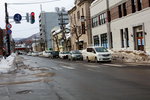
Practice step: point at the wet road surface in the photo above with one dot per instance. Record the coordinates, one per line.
(38, 78)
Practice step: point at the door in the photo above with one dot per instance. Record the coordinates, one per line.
(140, 41)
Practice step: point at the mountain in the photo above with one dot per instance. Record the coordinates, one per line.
(32, 37)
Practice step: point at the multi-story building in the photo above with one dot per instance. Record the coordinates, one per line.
(127, 22)
(80, 24)
(58, 41)
(47, 20)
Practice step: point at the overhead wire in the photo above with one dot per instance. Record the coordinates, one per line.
(32, 3)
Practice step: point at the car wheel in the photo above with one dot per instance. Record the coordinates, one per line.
(87, 59)
(96, 60)
(71, 59)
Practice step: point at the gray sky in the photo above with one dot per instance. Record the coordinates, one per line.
(25, 29)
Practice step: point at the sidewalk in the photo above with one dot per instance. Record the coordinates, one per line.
(26, 83)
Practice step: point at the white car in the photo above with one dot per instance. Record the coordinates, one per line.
(64, 54)
(29, 53)
(96, 54)
(47, 53)
(35, 53)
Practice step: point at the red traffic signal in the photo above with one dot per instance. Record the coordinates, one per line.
(32, 13)
(32, 17)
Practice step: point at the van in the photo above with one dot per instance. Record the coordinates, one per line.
(96, 54)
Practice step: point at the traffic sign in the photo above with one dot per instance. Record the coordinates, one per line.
(9, 31)
(8, 26)
(17, 18)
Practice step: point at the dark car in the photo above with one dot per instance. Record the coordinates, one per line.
(54, 54)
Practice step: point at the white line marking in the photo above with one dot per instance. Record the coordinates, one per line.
(67, 67)
(116, 65)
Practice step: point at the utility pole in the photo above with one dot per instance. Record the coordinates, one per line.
(7, 35)
(108, 26)
(62, 17)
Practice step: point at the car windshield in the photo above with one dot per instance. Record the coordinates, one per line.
(101, 49)
(76, 52)
(66, 52)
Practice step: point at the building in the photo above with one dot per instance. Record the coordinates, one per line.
(47, 20)
(121, 24)
(58, 41)
(80, 23)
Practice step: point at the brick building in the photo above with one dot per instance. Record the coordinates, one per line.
(129, 24)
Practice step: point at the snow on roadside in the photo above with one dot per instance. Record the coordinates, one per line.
(7, 64)
(135, 56)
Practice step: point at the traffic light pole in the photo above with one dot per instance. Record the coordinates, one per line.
(7, 35)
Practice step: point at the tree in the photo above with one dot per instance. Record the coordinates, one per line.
(55, 38)
(78, 31)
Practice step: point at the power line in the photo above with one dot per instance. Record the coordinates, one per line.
(32, 3)
(16, 10)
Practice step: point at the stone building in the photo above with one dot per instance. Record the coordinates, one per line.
(80, 23)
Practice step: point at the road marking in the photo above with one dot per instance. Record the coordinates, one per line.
(93, 70)
(115, 65)
(67, 67)
(92, 66)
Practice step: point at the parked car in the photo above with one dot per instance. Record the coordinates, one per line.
(54, 54)
(96, 54)
(75, 55)
(29, 53)
(35, 53)
(64, 54)
(47, 53)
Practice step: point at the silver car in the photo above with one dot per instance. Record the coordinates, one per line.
(75, 55)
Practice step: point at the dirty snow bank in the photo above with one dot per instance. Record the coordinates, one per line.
(7, 64)
(131, 56)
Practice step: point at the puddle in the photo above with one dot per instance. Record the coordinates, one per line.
(24, 92)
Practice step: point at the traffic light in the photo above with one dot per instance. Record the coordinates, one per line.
(32, 17)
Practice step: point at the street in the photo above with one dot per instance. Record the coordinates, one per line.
(39, 78)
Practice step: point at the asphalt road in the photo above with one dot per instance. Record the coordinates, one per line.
(79, 80)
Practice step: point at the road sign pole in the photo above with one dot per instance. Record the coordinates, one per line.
(7, 35)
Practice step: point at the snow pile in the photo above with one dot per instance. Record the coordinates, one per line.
(131, 56)
(7, 64)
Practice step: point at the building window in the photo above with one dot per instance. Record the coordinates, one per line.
(96, 40)
(71, 19)
(95, 21)
(102, 18)
(139, 5)
(133, 3)
(74, 18)
(120, 11)
(104, 42)
(82, 12)
(127, 37)
(124, 9)
(78, 15)
(122, 38)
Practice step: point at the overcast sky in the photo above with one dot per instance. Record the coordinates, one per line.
(25, 29)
